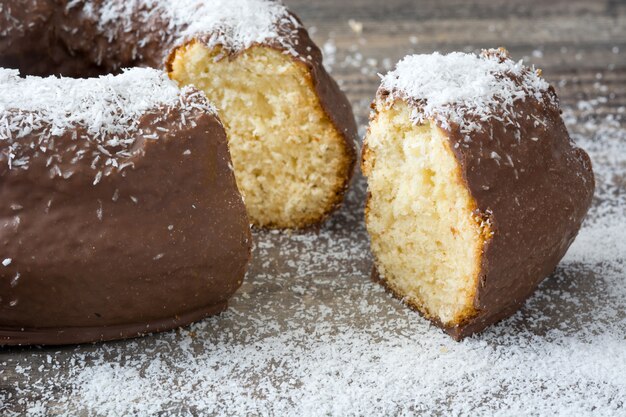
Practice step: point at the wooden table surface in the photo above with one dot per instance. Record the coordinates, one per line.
(309, 334)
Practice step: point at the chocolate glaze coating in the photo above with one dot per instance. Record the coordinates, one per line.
(146, 249)
(53, 39)
(535, 196)
(536, 204)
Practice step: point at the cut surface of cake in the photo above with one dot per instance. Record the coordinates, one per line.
(290, 160)
(475, 189)
(291, 131)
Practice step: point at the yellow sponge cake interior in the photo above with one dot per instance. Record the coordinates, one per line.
(290, 162)
(425, 239)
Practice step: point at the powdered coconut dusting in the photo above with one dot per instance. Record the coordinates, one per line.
(309, 334)
(233, 24)
(460, 88)
(108, 108)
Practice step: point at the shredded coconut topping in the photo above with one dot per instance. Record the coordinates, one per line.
(464, 89)
(35, 111)
(233, 24)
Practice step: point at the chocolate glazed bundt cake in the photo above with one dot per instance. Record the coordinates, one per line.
(476, 190)
(119, 210)
(291, 130)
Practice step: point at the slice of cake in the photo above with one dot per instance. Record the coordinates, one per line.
(476, 190)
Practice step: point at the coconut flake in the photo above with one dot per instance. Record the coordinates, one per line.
(463, 88)
(35, 111)
(233, 24)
